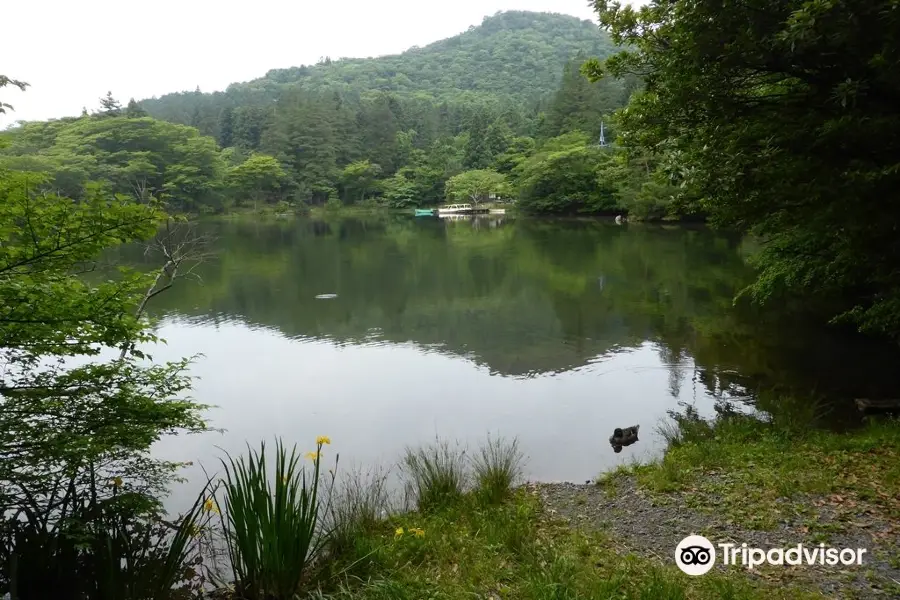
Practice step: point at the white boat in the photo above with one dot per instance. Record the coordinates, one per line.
(455, 209)
(498, 211)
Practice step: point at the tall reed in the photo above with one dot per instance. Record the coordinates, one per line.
(272, 534)
(361, 502)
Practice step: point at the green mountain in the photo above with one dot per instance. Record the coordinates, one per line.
(516, 56)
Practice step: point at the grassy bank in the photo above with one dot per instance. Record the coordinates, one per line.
(474, 549)
(766, 484)
(467, 528)
(761, 474)
(283, 525)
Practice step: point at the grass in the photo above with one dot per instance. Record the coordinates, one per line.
(760, 473)
(511, 550)
(493, 541)
(435, 475)
(360, 504)
(498, 469)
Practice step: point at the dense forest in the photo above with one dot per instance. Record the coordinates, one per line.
(343, 132)
(791, 132)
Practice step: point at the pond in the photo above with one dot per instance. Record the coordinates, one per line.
(388, 331)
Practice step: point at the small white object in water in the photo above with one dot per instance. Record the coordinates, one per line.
(326, 296)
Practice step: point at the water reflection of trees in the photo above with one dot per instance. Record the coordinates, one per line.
(523, 297)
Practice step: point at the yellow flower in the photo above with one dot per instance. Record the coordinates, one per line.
(418, 532)
(210, 506)
(195, 530)
(398, 533)
(116, 482)
(312, 455)
(323, 439)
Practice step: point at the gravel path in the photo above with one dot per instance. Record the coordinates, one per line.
(652, 525)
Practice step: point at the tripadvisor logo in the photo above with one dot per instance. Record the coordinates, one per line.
(696, 555)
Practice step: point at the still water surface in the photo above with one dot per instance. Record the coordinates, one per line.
(551, 331)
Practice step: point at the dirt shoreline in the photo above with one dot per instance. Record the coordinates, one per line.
(652, 524)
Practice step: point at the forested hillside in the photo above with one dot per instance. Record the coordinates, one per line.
(512, 57)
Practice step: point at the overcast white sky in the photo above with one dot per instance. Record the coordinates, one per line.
(72, 52)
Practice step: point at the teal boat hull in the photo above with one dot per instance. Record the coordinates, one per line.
(424, 212)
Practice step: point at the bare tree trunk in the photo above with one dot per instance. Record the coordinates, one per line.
(183, 250)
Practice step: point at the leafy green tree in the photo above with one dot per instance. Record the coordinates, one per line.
(193, 182)
(421, 182)
(133, 110)
(479, 151)
(75, 437)
(137, 156)
(226, 127)
(302, 137)
(640, 188)
(196, 118)
(562, 177)
(249, 124)
(407, 151)
(519, 149)
(401, 191)
(788, 131)
(344, 116)
(259, 178)
(476, 186)
(498, 138)
(378, 125)
(358, 179)
(581, 105)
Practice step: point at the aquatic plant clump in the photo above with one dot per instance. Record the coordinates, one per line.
(498, 468)
(272, 522)
(436, 475)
